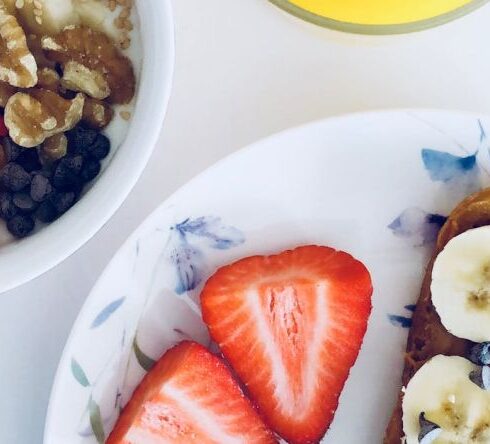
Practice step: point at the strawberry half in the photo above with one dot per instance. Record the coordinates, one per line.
(189, 397)
(291, 326)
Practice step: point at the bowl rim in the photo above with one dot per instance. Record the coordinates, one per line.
(357, 28)
(24, 260)
(171, 200)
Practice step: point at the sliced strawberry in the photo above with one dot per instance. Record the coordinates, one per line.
(291, 326)
(189, 397)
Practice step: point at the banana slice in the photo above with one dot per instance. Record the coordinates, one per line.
(461, 285)
(46, 16)
(442, 405)
(96, 15)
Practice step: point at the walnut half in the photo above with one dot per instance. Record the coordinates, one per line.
(97, 114)
(31, 118)
(77, 77)
(17, 64)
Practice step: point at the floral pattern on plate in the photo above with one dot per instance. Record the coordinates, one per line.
(467, 171)
(185, 251)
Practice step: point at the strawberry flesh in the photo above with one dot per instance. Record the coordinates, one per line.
(291, 326)
(189, 397)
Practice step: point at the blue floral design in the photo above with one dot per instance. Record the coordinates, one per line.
(107, 312)
(417, 225)
(219, 236)
(461, 173)
(443, 167)
(402, 321)
(188, 262)
(188, 258)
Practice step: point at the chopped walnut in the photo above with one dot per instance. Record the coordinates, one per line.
(31, 118)
(54, 148)
(77, 77)
(17, 64)
(34, 44)
(95, 51)
(48, 79)
(97, 114)
(6, 92)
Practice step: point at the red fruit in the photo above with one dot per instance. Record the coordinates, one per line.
(189, 397)
(3, 129)
(291, 326)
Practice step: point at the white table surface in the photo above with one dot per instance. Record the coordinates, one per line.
(244, 70)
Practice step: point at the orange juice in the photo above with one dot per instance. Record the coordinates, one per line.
(379, 14)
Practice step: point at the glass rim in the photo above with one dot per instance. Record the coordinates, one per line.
(357, 28)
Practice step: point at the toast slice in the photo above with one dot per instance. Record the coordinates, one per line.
(428, 337)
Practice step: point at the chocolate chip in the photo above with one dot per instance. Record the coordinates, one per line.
(480, 354)
(7, 208)
(24, 203)
(429, 430)
(40, 187)
(11, 149)
(90, 170)
(481, 377)
(79, 139)
(66, 173)
(29, 160)
(14, 177)
(46, 212)
(21, 226)
(63, 201)
(100, 148)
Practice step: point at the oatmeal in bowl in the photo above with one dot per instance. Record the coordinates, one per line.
(73, 74)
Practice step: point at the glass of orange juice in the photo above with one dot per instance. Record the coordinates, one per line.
(379, 16)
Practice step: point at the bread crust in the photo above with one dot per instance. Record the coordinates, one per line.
(427, 336)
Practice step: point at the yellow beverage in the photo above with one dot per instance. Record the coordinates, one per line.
(379, 15)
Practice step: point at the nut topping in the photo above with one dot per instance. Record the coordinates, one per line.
(54, 148)
(17, 64)
(48, 79)
(33, 117)
(77, 77)
(97, 114)
(34, 44)
(95, 51)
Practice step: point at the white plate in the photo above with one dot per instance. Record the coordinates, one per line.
(23, 260)
(372, 184)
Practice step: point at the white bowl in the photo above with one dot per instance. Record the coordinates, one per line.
(371, 184)
(26, 259)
